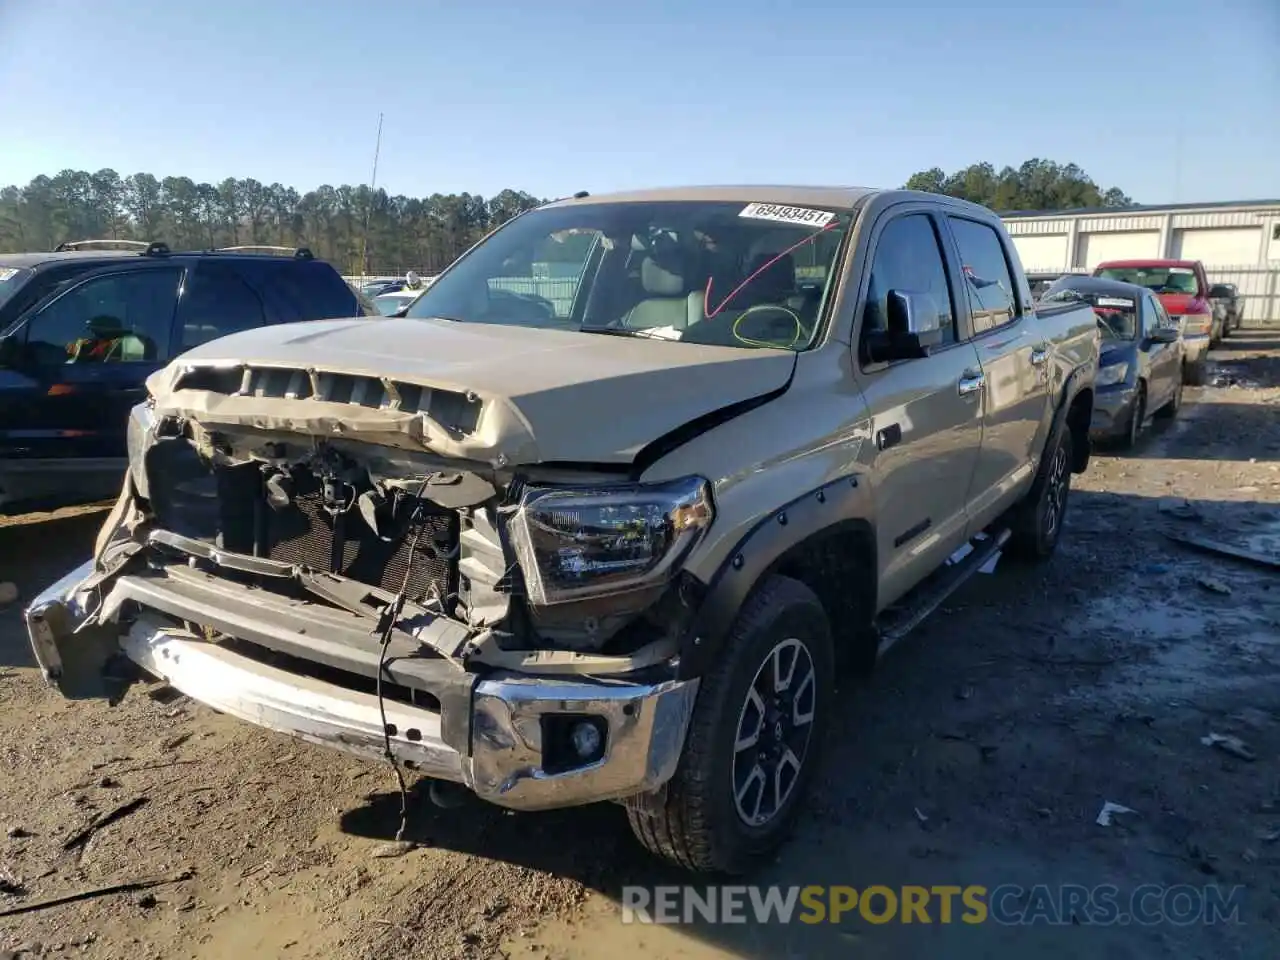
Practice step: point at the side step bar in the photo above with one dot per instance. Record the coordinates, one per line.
(897, 622)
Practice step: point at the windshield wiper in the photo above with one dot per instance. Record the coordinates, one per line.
(622, 332)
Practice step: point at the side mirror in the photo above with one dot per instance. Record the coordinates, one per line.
(914, 325)
(1165, 334)
(1219, 291)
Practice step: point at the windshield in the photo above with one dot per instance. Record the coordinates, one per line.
(728, 273)
(11, 278)
(1157, 279)
(1117, 316)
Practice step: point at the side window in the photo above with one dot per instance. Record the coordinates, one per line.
(988, 281)
(216, 303)
(908, 259)
(115, 318)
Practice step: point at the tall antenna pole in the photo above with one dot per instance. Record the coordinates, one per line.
(373, 181)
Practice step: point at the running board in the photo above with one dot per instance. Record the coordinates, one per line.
(896, 622)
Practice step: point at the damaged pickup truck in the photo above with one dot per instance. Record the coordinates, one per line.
(599, 517)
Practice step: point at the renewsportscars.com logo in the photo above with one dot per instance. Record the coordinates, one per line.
(1009, 904)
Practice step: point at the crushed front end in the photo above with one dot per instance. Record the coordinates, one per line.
(315, 565)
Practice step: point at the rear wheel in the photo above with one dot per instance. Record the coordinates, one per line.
(753, 741)
(1137, 416)
(1037, 522)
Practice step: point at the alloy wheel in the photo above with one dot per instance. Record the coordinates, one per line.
(1055, 491)
(773, 733)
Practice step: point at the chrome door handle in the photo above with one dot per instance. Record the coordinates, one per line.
(971, 383)
(1039, 355)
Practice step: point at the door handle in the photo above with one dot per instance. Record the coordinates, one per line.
(971, 383)
(1040, 354)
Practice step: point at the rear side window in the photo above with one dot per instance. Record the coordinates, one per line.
(296, 290)
(988, 282)
(216, 302)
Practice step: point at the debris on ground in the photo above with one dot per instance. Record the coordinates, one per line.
(8, 592)
(1232, 745)
(394, 848)
(11, 885)
(18, 833)
(1179, 507)
(1213, 585)
(1108, 810)
(81, 836)
(1206, 545)
(127, 887)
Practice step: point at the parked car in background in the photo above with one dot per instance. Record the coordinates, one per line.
(1183, 289)
(1227, 308)
(388, 304)
(1041, 280)
(81, 329)
(624, 571)
(1140, 370)
(376, 288)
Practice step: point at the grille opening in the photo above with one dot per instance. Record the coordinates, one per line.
(325, 674)
(228, 507)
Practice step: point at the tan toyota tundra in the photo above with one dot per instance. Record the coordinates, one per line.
(599, 516)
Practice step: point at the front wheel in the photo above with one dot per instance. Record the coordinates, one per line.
(1037, 522)
(753, 741)
(1137, 416)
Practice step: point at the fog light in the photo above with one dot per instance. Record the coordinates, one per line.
(586, 739)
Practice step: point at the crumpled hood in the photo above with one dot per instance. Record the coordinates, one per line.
(544, 395)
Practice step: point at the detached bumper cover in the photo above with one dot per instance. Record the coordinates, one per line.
(496, 749)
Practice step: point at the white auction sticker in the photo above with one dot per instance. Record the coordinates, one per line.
(7, 272)
(783, 214)
(1114, 302)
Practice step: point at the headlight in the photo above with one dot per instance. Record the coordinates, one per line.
(140, 435)
(586, 542)
(1113, 373)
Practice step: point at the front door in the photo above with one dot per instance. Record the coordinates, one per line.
(80, 362)
(1015, 359)
(1165, 358)
(926, 413)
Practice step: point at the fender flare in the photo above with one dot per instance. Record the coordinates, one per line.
(1071, 388)
(821, 509)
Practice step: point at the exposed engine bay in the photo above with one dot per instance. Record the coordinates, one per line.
(381, 532)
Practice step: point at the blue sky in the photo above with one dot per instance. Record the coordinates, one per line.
(564, 95)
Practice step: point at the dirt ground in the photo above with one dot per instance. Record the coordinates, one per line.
(980, 753)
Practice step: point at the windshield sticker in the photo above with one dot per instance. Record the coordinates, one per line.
(782, 214)
(1114, 302)
(1183, 270)
(7, 272)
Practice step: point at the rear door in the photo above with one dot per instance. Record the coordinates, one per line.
(1014, 355)
(926, 412)
(84, 354)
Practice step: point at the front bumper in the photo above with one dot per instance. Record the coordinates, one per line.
(1112, 407)
(485, 733)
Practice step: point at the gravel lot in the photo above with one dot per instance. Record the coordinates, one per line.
(980, 753)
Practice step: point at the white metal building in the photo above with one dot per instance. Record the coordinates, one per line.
(1238, 242)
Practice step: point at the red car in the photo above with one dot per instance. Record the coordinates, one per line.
(1182, 288)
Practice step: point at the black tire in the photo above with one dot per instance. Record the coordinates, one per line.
(1137, 417)
(1193, 373)
(1174, 404)
(1037, 521)
(695, 822)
